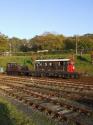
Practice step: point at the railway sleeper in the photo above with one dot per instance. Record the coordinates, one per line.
(82, 110)
(34, 105)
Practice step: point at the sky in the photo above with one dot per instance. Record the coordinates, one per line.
(27, 18)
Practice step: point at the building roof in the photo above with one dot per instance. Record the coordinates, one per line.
(52, 60)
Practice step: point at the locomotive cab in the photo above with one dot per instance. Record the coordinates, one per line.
(12, 68)
(15, 69)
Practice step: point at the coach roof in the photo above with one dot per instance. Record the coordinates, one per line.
(52, 60)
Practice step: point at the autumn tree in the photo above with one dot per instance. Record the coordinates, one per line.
(3, 43)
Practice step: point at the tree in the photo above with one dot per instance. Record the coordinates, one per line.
(3, 43)
(15, 44)
(47, 42)
(85, 43)
(69, 43)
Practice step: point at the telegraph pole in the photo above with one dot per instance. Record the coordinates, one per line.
(76, 44)
(10, 45)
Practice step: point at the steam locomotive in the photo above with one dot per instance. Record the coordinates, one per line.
(45, 68)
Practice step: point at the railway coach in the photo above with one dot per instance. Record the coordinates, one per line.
(55, 68)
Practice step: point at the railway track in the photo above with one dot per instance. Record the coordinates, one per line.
(49, 102)
(63, 88)
(28, 90)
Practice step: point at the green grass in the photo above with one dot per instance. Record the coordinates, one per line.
(10, 116)
(19, 59)
(84, 65)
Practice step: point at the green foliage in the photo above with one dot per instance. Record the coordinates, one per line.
(3, 43)
(82, 58)
(9, 115)
(84, 65)
(50, 42)
(69, 44)
(85, 43)
(16, 44)
(46, 41)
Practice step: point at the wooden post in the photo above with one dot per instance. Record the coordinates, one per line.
(92, 58)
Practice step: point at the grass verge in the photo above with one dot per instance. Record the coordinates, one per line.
(9, 115)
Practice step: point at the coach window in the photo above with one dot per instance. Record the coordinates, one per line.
(11, 65)
(40, 63)
(59, 64)
(64, 63)
(45, 64)
(50, 64)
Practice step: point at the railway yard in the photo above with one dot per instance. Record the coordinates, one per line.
(67, 101)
